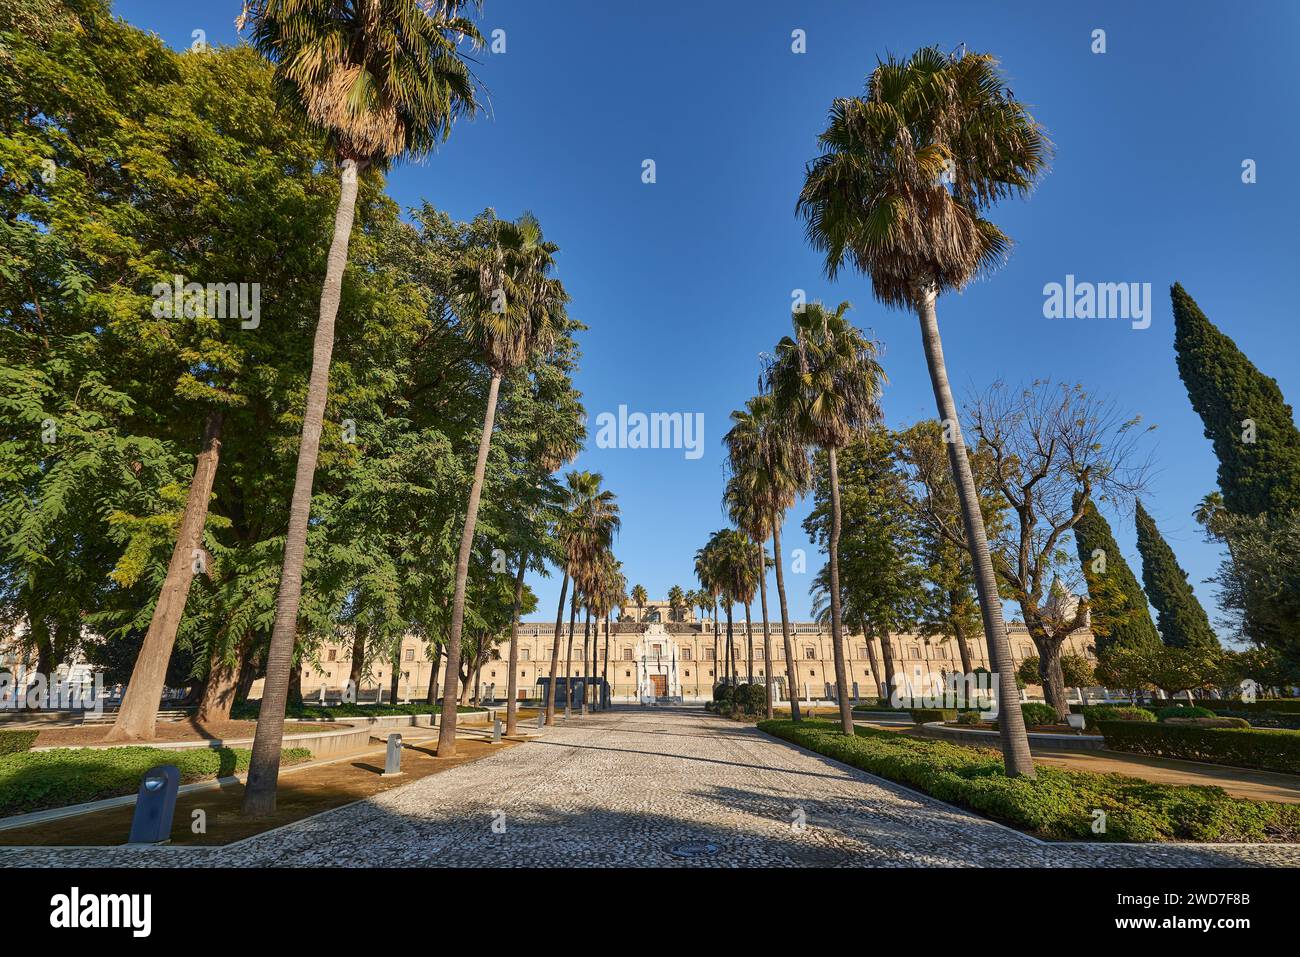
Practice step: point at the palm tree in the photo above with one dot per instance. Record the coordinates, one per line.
(706, 572)
(747, 511)
(509, 306)
(877, 197)
(639, 597)
(676, 603)
(772, 466)
(826, 381)
(383, 79)
(587, 527)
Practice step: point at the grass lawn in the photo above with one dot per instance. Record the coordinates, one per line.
(1058, 804)
(37, 780)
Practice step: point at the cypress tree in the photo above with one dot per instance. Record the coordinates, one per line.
(1182, 621)
(1259, 468)
(1120, 612)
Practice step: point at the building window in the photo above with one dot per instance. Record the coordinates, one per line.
(627, 654)
(710, 672)
(686, 654)
(410, 654)
(492, 674)
(334, 655)
(523, 654)
(688, 674)
(810, 652)
(862, 651)
(627, 674)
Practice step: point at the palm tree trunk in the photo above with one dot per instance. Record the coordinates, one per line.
(604, 671)
(447, 727)
(568, 657)
(767, 629)
(1015, 743)
(717, 641)
(791, 666)
(731, 648)
(749, 646)
(586, 643)
(555, 649)
(512, 685)
(264, 765)
(837, 625)
(139, 711)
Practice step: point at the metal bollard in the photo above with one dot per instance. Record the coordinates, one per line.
(541, 718)
(155, 805)
(393, 759)
(496, 730)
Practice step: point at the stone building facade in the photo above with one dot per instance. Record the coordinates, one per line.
(652, 655)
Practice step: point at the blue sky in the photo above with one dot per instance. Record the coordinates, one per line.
(684, 282)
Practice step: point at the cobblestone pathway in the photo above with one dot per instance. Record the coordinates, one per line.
(628, 787)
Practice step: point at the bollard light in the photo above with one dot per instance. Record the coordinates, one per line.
(155, 805)
(393, 759)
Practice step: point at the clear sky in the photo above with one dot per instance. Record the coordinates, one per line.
(684, 282)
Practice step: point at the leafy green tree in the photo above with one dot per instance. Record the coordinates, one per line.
(1180, 618)
(899, 191)
(1245, 415)
(1119, 610)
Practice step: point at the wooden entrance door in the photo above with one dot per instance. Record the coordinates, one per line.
(661, 685)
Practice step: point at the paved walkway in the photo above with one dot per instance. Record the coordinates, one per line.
(629, 787)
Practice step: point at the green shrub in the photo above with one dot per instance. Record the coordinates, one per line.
(36, 780)
(1216, 722)
(17, 741)
(1094, 714)
(1057, 803)
(723, 693)
(1183, 711)
(1263, 719)
(1037, 713)
(1257, 748)
(1274, 705)
(752, 698)
(248, 710)
(926, 715)
(969, 717)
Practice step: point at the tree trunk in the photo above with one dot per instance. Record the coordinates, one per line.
(871, 654)
(264, 765)
(717, 643)
(568, 657)
(1015, 743)
(395, 678)
(1049, 669)
(767, 628)
(295, 684)
(837, 624)
(604, 671)
(749, 646)
(431, 695)
(887, 652)
(223, 683)
(359, 630)
(731, 649)
(586, 643)
(555, 649)
(791, 663)
(447, 727)
(512, 685)
(139, 711)
(963, 647)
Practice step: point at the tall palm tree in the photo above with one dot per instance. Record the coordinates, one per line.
(617, 599)
(899, 190)
(773, 468)
(746, 510)
(676, 603)
(639, 598)
(509, 305)
(587, 527)
(706, 572)
(826, 380)
(383, 79)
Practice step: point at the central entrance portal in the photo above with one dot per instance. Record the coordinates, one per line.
(660, 683)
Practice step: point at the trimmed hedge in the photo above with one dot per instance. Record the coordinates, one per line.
(37, 780)
(1037, 713)
(1275, 705)
(1057, 803)
(1183, 711)
(248, 710)
(1257, 748)
(926, 715)
(17, 742)
(1094, 714)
